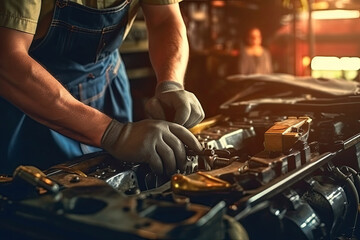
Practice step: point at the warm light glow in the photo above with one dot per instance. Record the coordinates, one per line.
(306, 61)
(325, 63)
(335, 63)
(320, 5)
(218, 3)
(335, 14)
(350, 63)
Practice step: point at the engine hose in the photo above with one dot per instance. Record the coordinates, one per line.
(353, 200)
(356, 176)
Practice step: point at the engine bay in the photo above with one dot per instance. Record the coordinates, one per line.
(280, 167)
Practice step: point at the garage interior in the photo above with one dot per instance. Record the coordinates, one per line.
(281, 156)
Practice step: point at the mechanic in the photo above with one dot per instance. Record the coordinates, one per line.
(64, 90)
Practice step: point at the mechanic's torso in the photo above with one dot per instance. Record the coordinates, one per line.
(47, 10)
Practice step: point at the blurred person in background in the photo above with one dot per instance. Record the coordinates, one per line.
(254, 58)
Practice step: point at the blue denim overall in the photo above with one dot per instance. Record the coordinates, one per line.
(81, 51)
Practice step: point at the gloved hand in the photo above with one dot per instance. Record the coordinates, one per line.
(171, 97)
(161, 144)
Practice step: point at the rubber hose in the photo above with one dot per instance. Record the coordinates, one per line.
(356, 176)
(353, 199)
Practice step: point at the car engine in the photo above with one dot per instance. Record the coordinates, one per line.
(280, 167)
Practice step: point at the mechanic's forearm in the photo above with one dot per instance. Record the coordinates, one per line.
(27, 85)
(169, 49)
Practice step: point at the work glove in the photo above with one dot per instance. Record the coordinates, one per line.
(172, 103)
(159, 143)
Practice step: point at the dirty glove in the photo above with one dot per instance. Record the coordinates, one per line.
(171, 102)
(161, 144)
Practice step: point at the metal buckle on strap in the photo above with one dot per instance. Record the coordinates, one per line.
(62, 3)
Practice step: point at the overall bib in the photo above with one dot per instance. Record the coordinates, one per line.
(81, 51)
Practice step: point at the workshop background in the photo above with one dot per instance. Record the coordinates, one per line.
(318, 38)
(281, 161)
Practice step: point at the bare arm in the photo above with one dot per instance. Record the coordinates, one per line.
(168, 44)
(28, 86)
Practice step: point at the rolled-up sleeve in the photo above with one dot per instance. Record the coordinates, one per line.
(21, 15)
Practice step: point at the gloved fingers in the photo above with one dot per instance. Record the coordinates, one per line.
(182, 114)
(178, 149)
(188, 109)
(181, 107)
(168, 158)
(177, 105)
(196, 116)
(186, 137)
(200, 110)
(155, 163)
(154, 109)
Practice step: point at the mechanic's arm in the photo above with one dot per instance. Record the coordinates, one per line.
(27, 85)
(169, 53)
(168, 44)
